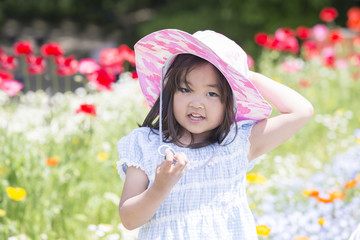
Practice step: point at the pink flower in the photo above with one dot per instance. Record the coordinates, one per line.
(328, 56)
(320, 32)
(36, 65)
(52, 49)
(286, 40)
(292, 66)
(88, 65)
(23, 48)
(310, 49)
(250, 61)
(111, 59)
(328, 14)
(127, 54)
(11, 87)
(66, 66)
(89, 109)
(8, 62)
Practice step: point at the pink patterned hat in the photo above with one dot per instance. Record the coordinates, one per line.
(155, 52)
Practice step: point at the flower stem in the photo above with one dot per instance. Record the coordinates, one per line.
(38, 82)
(25, 73)
(54, 76)
(67, 84)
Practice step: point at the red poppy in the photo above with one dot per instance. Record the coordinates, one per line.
(328, 14)
(66, 66)
(335, 36)
(286, 40)
(127, 54)
(134, 75)
(11, 87)
(23, 48)
(303, 32)
(261, 38)
(88, 65)
(36, 65)
(353, 18)
(51, 49)
(87, 109)
(102, 79)
(4, 75)
(304, 83)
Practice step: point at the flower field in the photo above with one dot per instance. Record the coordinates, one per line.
(58, 148)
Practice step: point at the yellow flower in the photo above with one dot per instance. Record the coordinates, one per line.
(75, 141)
(277, 79)
(103, 156)
(0, 170)
(358, 140)
(340, 112)
(263, 230)
(2, 212)
(16, 193)
(321, 221)
(255, 178)
(358, 177)
(252, 206)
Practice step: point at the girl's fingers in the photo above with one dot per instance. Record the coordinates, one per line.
(169, 157)
(181, 160)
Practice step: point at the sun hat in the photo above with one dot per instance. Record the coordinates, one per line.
(155, 52)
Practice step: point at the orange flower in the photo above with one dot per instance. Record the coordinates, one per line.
(263, 230)
(52, 161)
(350, 184)
(301, 238)
(310, 193)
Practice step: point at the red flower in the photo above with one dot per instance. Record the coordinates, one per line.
(127, 54)
(66, 66)
(11, 87)
(335, 36)
(102, 79)
(23, 48)
(304, 83)
(8, 62)
(4, 75)
(310, 49)
(36, 65)
(261, 39)
(303, 32)
(112, 60)
(87, 109)
(51, 49)
(354, 18)
(134, 75)
(88, 65)
(328, 14)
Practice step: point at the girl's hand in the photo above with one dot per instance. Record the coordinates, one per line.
(169, 172)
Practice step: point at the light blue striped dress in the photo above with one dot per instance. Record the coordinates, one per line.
(209, 201)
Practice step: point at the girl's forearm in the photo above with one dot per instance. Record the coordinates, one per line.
(282, 97)
(139, 209)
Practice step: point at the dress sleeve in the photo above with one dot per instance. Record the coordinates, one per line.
(245, 128)
(130, 154)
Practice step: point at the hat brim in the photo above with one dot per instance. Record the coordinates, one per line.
(155, 51)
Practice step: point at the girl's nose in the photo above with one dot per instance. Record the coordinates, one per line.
(196, 102)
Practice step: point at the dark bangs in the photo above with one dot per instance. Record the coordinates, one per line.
(182, 65)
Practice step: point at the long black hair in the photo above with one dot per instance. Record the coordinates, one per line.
(182, 65)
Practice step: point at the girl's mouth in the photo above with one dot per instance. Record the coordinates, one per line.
(196, 117)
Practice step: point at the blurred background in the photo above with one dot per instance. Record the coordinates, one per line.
(83, 27)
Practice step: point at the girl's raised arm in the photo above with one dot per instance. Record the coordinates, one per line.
(295, 112)
(139, 203)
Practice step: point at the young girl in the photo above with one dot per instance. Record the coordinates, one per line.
(186, 165)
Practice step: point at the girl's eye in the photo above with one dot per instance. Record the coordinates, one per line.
(213, 94)
(184, 90)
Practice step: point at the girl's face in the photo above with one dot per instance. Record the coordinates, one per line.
(197, 104)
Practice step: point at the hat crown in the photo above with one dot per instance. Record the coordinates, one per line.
(226, 49)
